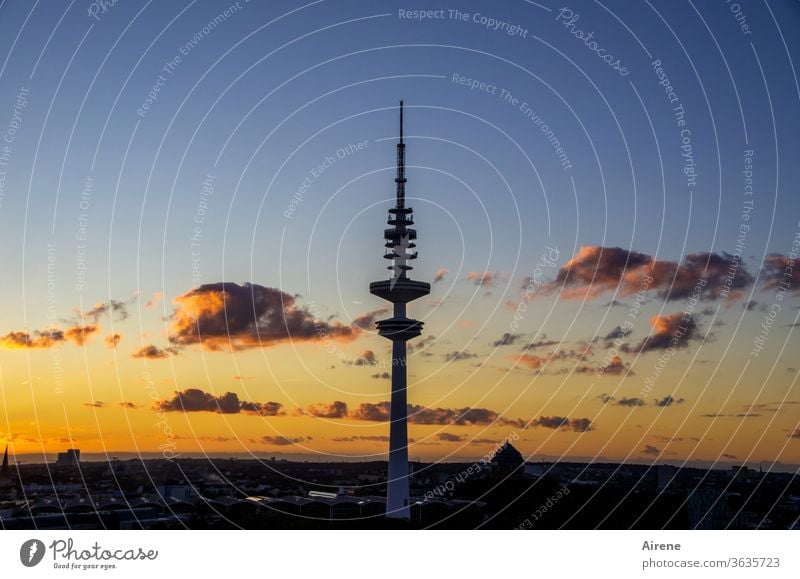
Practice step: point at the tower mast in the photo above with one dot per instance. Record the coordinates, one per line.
(399, 290)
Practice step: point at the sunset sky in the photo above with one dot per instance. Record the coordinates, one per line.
(193, 195)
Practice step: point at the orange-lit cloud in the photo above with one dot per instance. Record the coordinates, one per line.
(230, 316)
(80, 334)
(112, 340)
(669, 331)
(440, 274)
(49, 338)
(596, 269)
(152, 352)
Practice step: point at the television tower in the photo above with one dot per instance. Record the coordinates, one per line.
(399, 289)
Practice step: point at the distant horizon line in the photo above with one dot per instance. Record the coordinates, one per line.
(98, 457)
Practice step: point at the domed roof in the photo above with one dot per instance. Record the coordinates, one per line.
(507, 455)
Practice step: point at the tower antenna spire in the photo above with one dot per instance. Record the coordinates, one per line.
(401, 165)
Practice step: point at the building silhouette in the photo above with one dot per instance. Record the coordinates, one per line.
(399, 290)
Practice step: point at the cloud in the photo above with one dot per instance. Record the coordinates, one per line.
(368, 438)
(630, 402)
(129, 405)
(595, 270)
(728, 455)
(152, 352)
(40, 339)
(540, 344)
(95, 404)
(110, 307)
(614, 367)
(336, 409)
(381, 376)
(196, 400)
(652, 450)
(564, 423)
(615, 334)
(780, 270)
(530, 361)
(112, 340)
(379, 412)
(457, 356)
(606, 398)
(80, 334)
(448, 437)
(668, 400)
(367, 358)
(421, 345)
(155, 300)
(507, 339)
(227, 315)
(440, 273)
(281, 440)
(795, 434)
(669, 331)
(367, 321)
(482, 278)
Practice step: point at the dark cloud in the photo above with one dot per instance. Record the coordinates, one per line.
(540, 344)
(652, 450)
(564, 423)
(336, 409)
(281, 440)
(129, 405)
(421, 345)
(781, 271)
(367, 321)
(367, 438)
(457, 356)
(381, 376)
(40, 339)
(112, 340)
(728, 455)
(616, 333)
(95, 404)
(478, 441)
(735, 415)
(669, 331)
(630, 402)
(152, 352)
(668, 400)
(367, 358)
(606, 398)
(448, 437)
(507, 339)
(597, 269)
(614, 367)
(228, 315)
(196, 400)
(117, 307)
(379, 412)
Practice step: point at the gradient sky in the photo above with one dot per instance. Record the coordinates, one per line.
(114, 199)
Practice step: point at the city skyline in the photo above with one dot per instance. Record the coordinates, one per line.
(191, 198)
